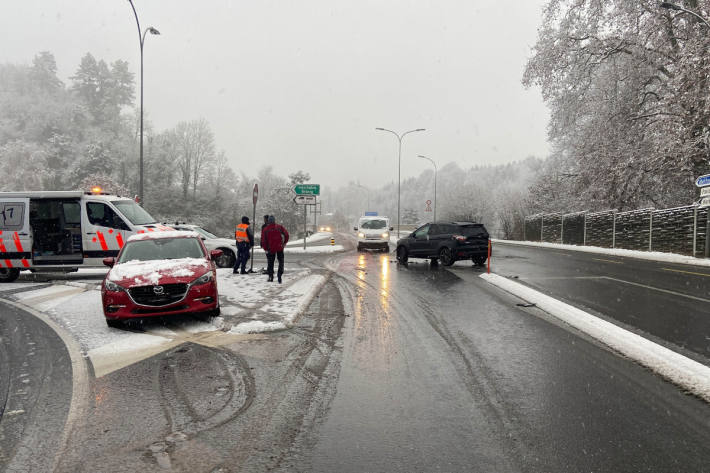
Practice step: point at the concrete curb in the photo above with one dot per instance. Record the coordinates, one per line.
(674, 367)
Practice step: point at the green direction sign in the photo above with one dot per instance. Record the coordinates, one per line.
(307, 189)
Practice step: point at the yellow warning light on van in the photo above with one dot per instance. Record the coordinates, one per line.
(96, 190)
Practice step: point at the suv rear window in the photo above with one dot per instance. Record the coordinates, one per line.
(473, 231)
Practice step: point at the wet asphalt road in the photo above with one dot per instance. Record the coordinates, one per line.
(665, 301)
(442, 372)
(35, 391)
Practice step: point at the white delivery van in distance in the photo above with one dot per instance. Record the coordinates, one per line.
(373, 232)
(65, 230)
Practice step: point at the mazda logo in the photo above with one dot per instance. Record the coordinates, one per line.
(158, 290)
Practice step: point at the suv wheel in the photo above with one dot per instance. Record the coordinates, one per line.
(402, 256)
(9, 274)
(479, 260)
(446, 256)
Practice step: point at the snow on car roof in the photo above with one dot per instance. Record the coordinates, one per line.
(164, 234)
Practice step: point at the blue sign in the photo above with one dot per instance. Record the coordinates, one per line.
(374, 214)
(703, 181)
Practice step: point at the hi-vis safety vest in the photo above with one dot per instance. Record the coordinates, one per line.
(241, 233)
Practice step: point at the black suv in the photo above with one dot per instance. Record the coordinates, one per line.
(446, 242)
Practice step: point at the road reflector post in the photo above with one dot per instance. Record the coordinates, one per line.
(332, 242)
(489, 256)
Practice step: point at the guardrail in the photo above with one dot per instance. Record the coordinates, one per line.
(680, 230)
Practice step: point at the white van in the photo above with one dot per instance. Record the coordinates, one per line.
(63, 231)
(373, 232)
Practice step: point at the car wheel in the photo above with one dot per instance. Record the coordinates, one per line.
(227, 259)
(114, 323)
(386, 248)
(402, 255)
(9, 274)
(446, 256)
(206, 316)
(479, 260)
(359, 247)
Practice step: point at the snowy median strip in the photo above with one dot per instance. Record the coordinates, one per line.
(647, 255)
(288, 305)
(680, 370)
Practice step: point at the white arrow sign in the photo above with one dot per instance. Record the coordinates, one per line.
(305, 199)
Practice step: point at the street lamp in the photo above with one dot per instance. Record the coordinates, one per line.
(432, 162)
(367, 191)
(673, 6)
(141, 41)
(399, 164)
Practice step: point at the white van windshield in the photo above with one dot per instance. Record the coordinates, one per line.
(373, 224)
(133, 212)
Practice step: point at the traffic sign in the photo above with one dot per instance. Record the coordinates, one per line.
(705, 191)
(307, 189)
(305, 199)
(370, 214)
(703, 181)
(704, 202)
(256, 193)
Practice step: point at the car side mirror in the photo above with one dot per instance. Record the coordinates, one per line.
(110, 261)
(214, 254)
(355, 228)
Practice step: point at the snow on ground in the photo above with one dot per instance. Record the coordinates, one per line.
(268, 305)
(647, 255)
(687, 373)
(319, 236)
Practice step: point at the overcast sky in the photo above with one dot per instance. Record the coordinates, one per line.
(302, 85)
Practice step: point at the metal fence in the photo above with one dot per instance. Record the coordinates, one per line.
(680, 230)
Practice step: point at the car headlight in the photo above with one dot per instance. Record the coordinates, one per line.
(361, 235)
(385, 235)
(204, 279)
(112, 286)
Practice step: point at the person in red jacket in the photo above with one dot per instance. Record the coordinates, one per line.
(274, 238)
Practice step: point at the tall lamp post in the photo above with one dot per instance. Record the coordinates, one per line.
(399, 164)
(141, 41)
(368, 194)
(435, 171)
(673, 6)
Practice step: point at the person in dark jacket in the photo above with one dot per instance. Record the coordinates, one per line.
(263, 225)
(245, 240)
(274, 238)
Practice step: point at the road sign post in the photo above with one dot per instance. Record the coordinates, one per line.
(704, 183)
(255, 197)
(306, 197)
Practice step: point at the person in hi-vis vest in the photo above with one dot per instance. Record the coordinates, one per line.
(245, 240)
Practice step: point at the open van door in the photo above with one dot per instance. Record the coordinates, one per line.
(15, 236)
(105, 232)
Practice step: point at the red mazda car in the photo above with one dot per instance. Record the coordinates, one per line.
(158, 274)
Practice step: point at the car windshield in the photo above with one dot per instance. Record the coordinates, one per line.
(133, 212)
(161, 248)
(373, 224)
(204, 232)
